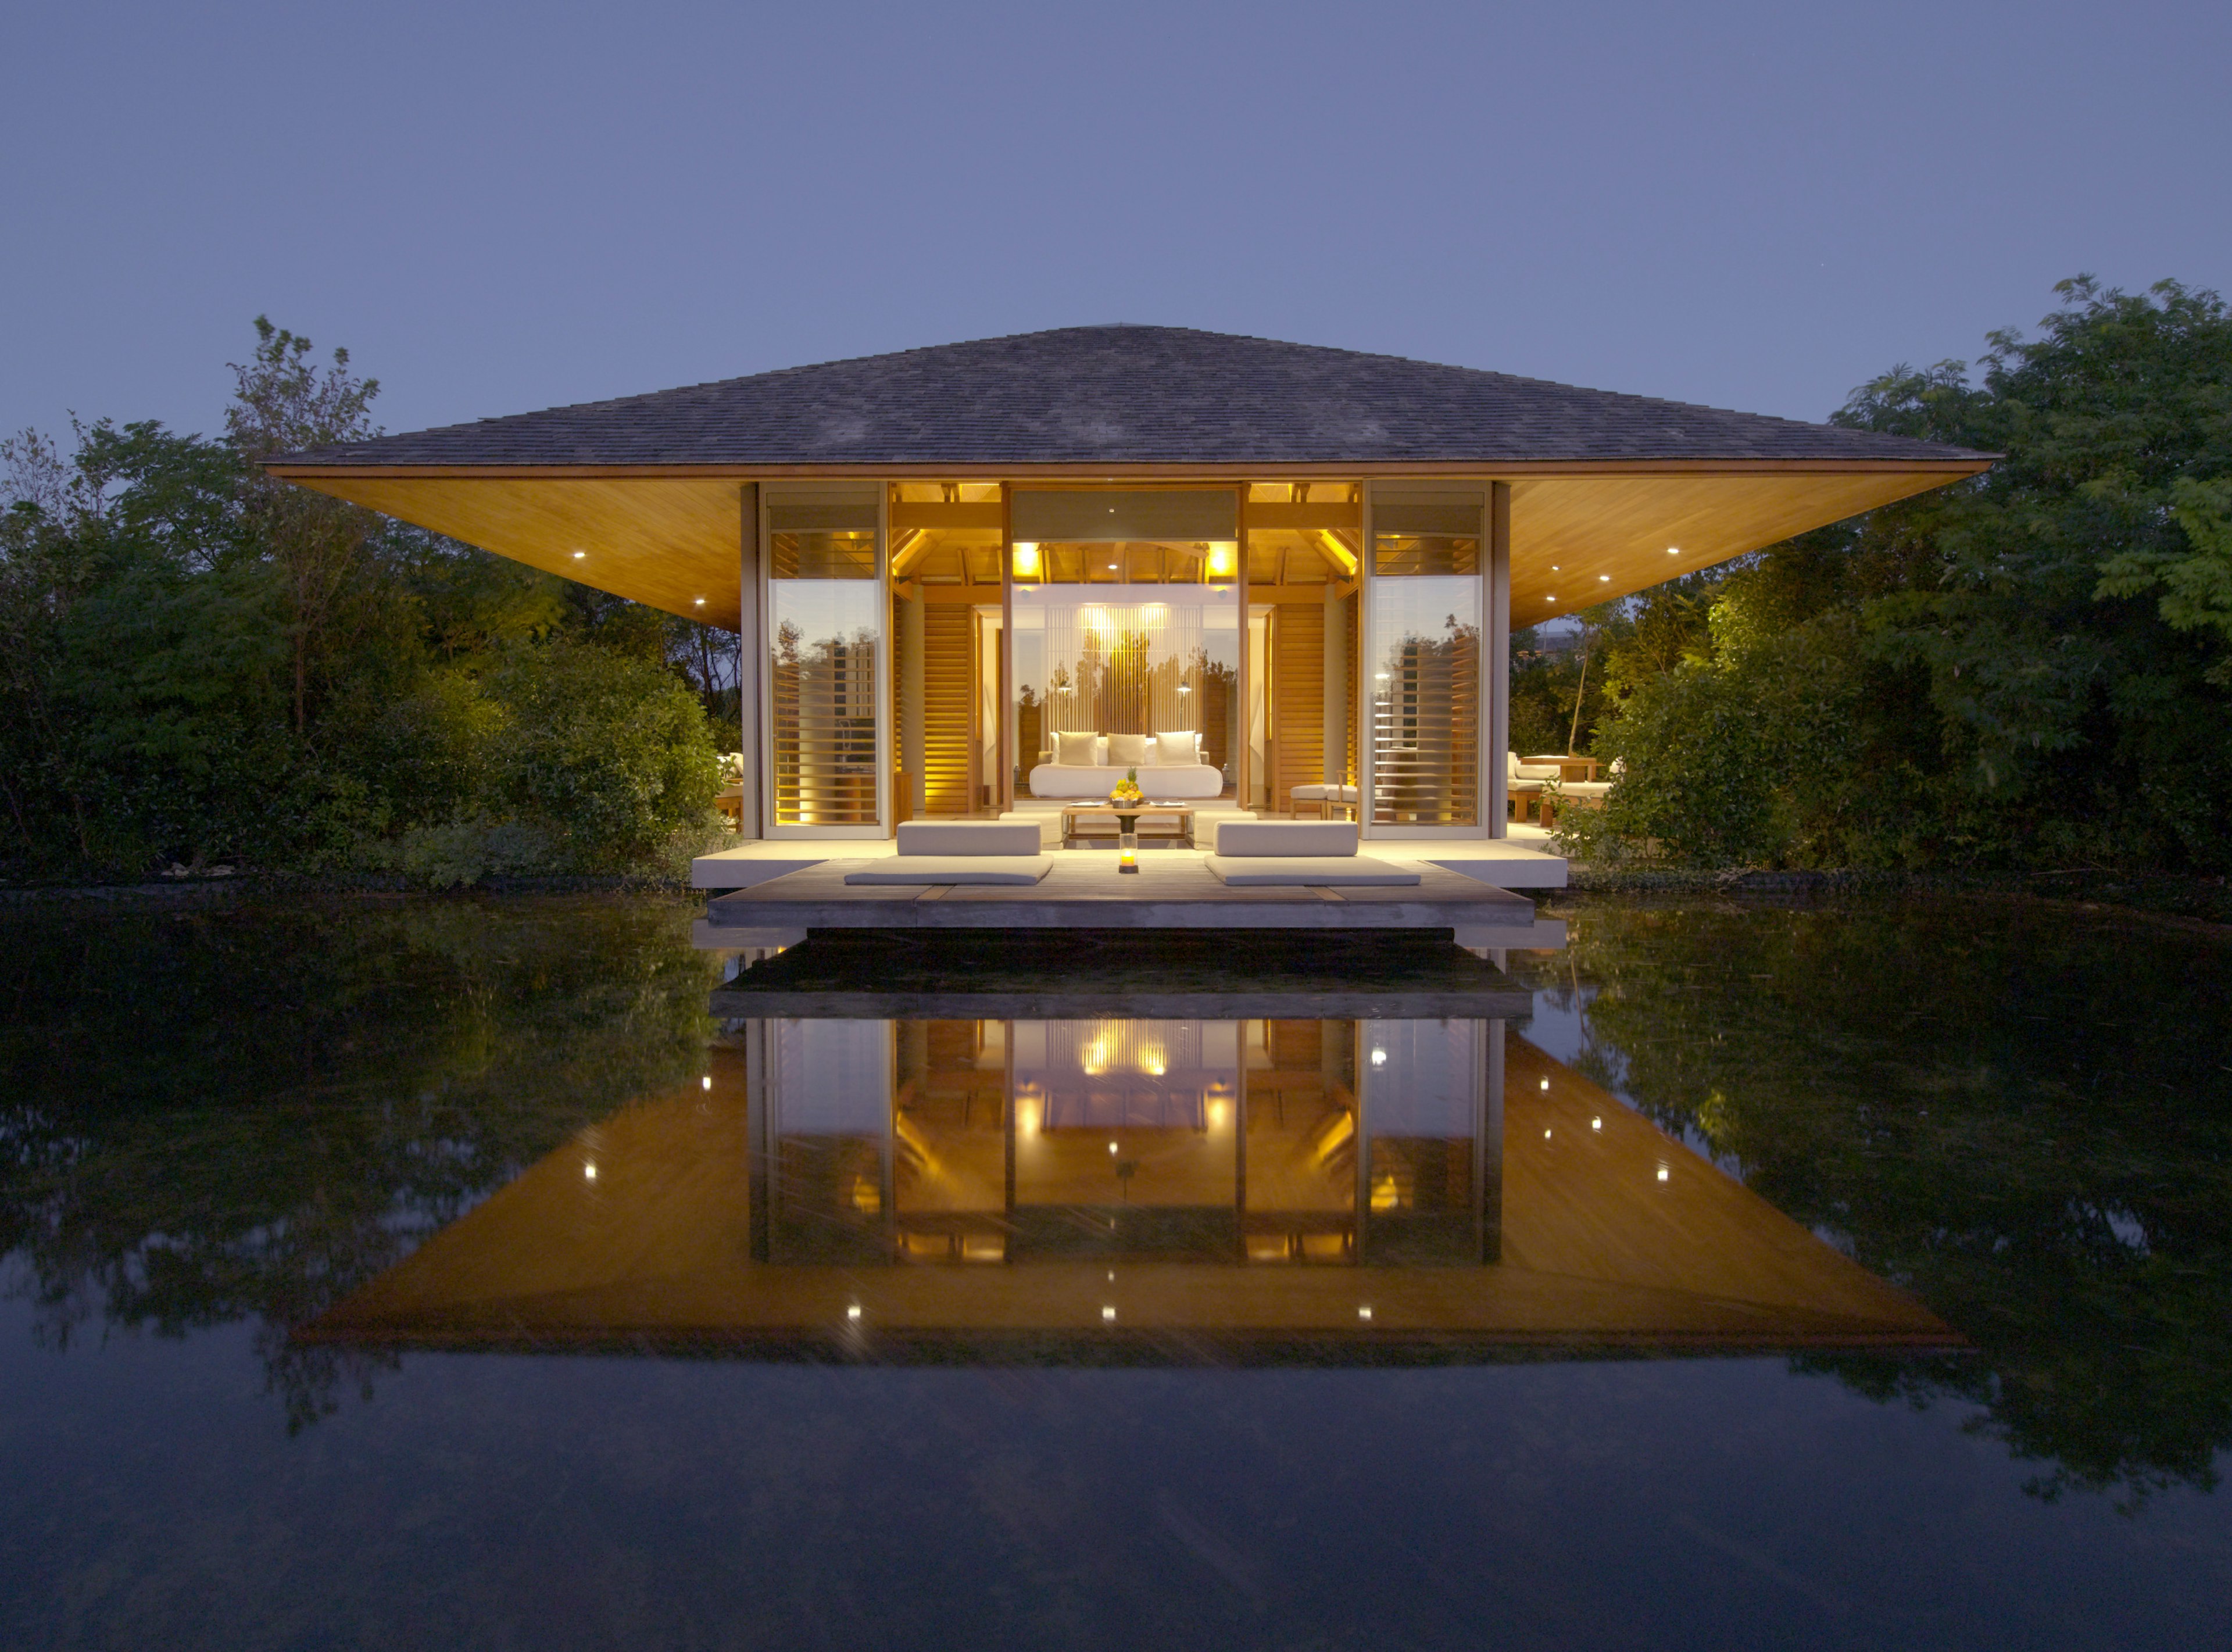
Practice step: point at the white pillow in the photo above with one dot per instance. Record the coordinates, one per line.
(1176, 748)
(1076, 751)
(1126, 751)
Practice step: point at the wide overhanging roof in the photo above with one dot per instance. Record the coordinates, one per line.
(1603, 483)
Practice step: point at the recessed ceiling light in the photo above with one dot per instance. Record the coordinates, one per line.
(700, 602)
(578, 555)
(1555, 568)
(1605, 578)
(1673, 550)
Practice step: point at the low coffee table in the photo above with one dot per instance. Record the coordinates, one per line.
(1108, 812)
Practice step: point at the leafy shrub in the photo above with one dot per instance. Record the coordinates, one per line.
(607, 753)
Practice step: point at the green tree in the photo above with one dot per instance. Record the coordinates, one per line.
(2036, 660)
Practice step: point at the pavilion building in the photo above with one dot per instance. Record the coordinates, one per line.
(991, 576)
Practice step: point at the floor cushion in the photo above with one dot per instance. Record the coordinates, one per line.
(1267, 871)
(954, 869)
(1286, 837)
(968, 837)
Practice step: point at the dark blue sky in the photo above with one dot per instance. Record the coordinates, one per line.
(499, 209)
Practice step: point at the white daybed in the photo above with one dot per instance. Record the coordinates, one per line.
(1064, 772)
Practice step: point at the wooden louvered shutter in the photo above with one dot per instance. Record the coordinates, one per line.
(945, 691)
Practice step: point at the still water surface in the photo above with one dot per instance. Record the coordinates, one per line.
(317, 1329)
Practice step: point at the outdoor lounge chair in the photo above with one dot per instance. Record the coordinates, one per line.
(961, 852)
(1296, 853)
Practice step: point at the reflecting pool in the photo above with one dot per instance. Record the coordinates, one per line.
(489, 1273)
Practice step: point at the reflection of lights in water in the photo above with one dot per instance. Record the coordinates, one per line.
(1379, 1058)
(1217, 1114)
(866, 1196)
(1385, 1195)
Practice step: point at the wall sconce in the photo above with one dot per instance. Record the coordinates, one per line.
(1223, 561)
(1026, 559)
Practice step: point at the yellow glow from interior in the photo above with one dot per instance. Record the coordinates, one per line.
(1343, 1127)
(1384, 1194)
(1223, 561)
(866, 1196)
(1026, 560)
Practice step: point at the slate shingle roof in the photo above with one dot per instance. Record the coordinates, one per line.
(1124, 395)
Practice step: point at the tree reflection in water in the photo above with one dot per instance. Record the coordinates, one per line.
(2021, 1112)
(235, 1114)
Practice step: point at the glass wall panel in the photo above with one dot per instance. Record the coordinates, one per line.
(825, 642)
(1130, 647)
(1424, 658)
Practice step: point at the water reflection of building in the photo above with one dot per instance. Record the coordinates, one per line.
(1256, 1141)
(1102, 1188)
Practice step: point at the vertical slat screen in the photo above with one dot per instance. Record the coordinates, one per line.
(1297, 699)
(945, 691)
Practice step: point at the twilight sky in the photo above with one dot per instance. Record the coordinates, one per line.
(502, 208)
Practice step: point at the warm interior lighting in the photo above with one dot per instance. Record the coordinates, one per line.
(1026, 559)
(1112, 1147)
(1379, 1058)
(578, 555)
(1673, 550)
(853, 1312)
(1662, 1173)
(1107, 1313)
(1546, 1084)
(1223, 561)
(1546, 1134)
(706, 1082)
(1603, 578)
(1596, 1124)
(589, 1172)
(698, 601)
(1364, 1313)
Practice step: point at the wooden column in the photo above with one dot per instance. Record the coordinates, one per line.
(1242, 767)
(751, 666)
(1003, 795)
(1495, 661)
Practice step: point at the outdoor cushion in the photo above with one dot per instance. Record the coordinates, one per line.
(969, 838)
(1513, 769)
(955, 869)
(1255, 871)
(1126, 751)
(1311, 793)
(1076, 751)
(1177, 747)
(1584, 788)
(1256, 837)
